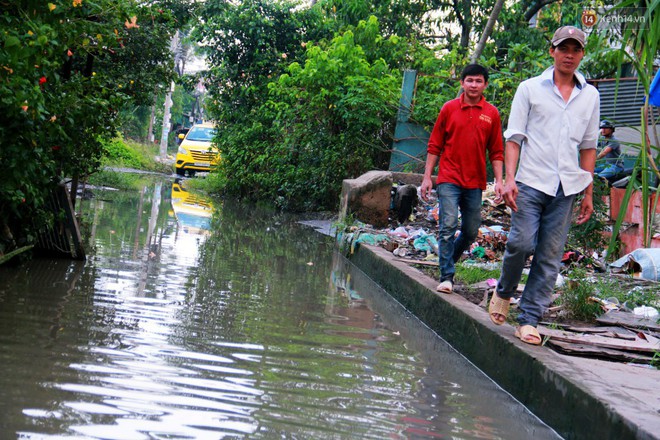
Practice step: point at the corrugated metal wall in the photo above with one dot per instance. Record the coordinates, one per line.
(621, 105)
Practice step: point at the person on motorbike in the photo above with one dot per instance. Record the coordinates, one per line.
(609, 152)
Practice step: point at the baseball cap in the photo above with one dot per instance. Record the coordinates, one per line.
(566, 33)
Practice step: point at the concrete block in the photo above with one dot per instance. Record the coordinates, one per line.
(368, 198)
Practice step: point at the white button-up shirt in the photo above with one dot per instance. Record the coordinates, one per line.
(550, 131)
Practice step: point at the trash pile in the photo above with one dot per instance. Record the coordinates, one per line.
(625, 332)
(414, 237)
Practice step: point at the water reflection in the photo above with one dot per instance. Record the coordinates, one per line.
(192, 211)
(252, 327)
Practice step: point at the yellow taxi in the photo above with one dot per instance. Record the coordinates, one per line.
(196, 153)
(192, 212)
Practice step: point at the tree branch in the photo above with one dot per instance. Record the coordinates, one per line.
(536, 7)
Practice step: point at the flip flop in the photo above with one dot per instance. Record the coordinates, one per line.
(528, 334)
(498, 306)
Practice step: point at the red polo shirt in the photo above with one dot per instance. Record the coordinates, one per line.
(461, 135)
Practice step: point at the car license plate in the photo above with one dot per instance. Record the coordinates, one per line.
(202, 164)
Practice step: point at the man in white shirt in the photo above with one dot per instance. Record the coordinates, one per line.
(553, 130)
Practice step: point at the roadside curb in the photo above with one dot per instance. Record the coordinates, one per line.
(578, 397)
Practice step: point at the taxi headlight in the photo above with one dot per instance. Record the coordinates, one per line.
(182, 150)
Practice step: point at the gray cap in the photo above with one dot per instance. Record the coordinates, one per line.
(568, 33)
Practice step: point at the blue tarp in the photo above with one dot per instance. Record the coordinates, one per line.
(654, 91)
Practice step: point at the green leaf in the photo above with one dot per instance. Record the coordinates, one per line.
(11, 41)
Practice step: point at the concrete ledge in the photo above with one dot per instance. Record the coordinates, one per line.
(578, 397)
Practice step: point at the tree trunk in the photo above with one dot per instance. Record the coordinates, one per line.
(487, 31)
(150, 133)
(466, 25)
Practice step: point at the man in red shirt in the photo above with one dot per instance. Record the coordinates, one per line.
(466, 127)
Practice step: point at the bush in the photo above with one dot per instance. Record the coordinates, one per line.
(326, 121)
(130, 154)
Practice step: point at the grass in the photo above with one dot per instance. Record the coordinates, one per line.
(114, 179)
(121, 153)
(575, 297)
(580, 287)
(469, 275)
(630, 296)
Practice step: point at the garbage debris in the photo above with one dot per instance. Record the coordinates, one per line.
(641, 263)
(646, 311)
(426, 243)
(605, 304)
(627, 331)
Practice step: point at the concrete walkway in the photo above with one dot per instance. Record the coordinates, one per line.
(580, 398)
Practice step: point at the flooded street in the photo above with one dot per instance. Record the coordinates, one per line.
(210, 319)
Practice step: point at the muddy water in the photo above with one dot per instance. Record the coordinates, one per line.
(210, 319)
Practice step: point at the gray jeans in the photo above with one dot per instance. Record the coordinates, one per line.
(540, 227)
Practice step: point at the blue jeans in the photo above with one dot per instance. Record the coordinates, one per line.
(450, 198)
(608, 170)
(540, 227)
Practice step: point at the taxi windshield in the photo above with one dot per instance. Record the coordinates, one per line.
(204, 134)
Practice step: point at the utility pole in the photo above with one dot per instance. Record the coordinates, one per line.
(166, 123)
(168, 103)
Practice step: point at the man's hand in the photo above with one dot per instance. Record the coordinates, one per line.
(499, 190)
(510, 193)
(586, 209)
(426, 188)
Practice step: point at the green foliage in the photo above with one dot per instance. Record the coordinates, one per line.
(66, 68)
(470, 275)
(130, 154)
(117, 153)
(306, 96)
(404, 18)
(325, 120)
(629, 296)
(117, 180)
(575, 297)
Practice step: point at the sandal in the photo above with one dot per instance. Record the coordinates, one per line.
(498, 306)
(528, 334)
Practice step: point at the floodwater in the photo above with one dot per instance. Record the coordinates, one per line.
(199, 319)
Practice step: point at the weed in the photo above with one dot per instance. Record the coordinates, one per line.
(552, 326)
(469, 274)
(575, 297)
(115, 179)
(655, 362)
(130, 154)
(627, 291)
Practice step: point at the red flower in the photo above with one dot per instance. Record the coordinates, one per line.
(42, 80)
(56, 148)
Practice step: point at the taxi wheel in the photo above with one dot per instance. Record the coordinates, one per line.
(180, 172)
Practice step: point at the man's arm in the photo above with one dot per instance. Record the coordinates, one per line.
(427, 183)
(604, 152)
(511, 155)
(435, 147)
(499, 185)
(587, 163)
